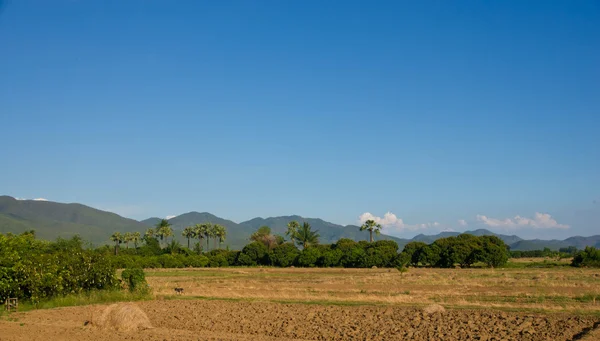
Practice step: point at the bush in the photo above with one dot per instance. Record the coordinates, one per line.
(589, 257)
(135, 280)
(36, 270)
(284, 255)
(257, 254)
(308, 257)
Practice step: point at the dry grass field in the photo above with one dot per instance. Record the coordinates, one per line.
(338, 304)
(543, 290)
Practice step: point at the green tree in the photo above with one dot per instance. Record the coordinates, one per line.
(412, 252)
(292, 229)
(305, 236)
(127, 237)
(164, 230)
(199, 231)
(117, 238)
(371, 226)
(220, 233)
(263, 235)
(189, 233)
(284, 255)
(150, 233)
(208, 233)
(136, 238)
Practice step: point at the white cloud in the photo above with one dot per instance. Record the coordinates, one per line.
(462, 222)
(40, 199)
(390, 220)
(170, 217)
(448, 230)
(539, 221)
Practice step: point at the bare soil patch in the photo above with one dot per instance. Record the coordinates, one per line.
(228, 320)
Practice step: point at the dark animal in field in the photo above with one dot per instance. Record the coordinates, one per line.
(179, 291)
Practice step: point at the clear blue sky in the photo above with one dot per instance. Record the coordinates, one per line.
(437, 111)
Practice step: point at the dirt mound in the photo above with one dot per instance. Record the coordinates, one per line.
(434, 308)
(125, 317)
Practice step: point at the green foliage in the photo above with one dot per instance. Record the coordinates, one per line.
(284, 255)
(308, 257)
(303, 235)
(35, 270)
(136, 280)
(254, 253)
(589, 257)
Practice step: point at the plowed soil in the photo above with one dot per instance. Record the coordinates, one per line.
(229, 320)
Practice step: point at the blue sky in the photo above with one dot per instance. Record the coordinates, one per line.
(450, 115)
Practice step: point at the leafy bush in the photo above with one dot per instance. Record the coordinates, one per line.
(36, 270)
(284, 255)
(255, 253)
(135, 280)
(308, 257)
(590, 257)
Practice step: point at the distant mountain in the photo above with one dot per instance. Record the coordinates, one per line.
(238, 234)
(329, 232)
(51, 220)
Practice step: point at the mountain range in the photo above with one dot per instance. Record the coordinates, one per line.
(51, 220)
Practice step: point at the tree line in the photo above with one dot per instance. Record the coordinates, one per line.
(163, 230)
(300, 246)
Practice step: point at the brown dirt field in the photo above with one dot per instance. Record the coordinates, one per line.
(228, 320)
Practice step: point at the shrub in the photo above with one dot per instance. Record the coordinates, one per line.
(308, 257)
(589, 257)
(135, 279)
(284, 255)
(256, 252)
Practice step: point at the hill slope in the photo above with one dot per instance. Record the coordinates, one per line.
(51, 220)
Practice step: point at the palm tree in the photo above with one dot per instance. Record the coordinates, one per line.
(150, 233)
(220, 233)
(163, 229)
(371, 226)
(127, 237)
(136, 238)
(305, 236)
(293, 227)
(189, 232)
(208, 233)
(118, 239)
(199, 232)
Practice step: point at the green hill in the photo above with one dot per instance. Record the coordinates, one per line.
(51, 220)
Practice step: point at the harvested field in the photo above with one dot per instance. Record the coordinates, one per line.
(227, 320)
(541, 290)
(336, 304)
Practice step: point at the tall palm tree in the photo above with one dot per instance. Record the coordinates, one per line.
(305, 236)
(293, 227)
(150, 233)
(199, 231)
(136, 238)
(220, 233)
(208, 233)
(117, 238)
(163, 229)
(127, 237)
(371, 226)
(189, 232)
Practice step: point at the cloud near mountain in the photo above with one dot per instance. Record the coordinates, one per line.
(539, 221)
(391, 221)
